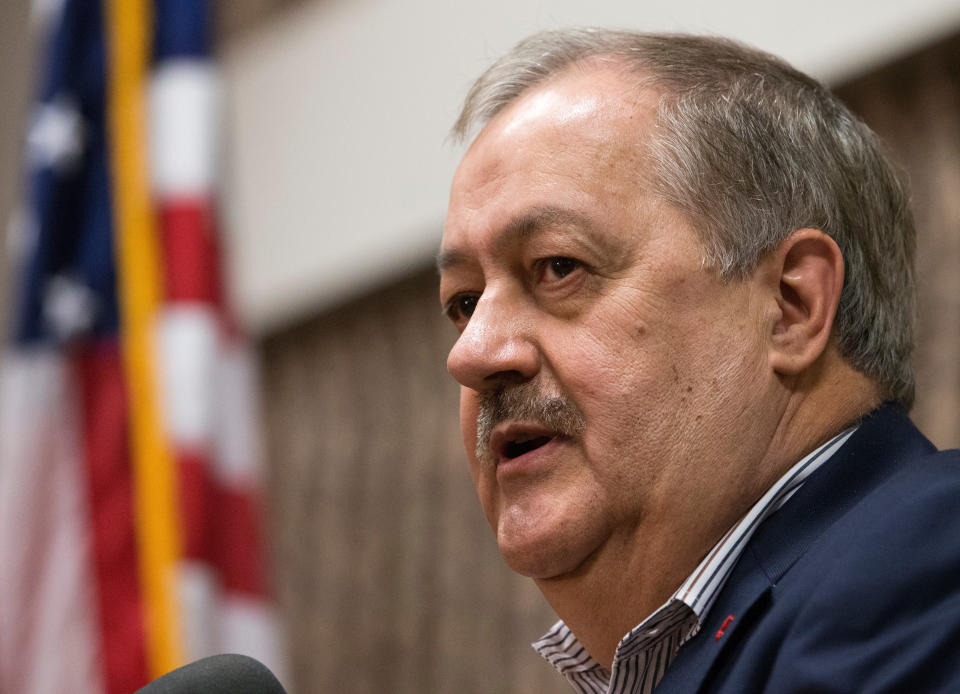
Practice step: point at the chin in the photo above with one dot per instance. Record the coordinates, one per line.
(540, 549)
(540, 563)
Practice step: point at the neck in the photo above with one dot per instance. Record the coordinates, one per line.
(618, 587)
(821, 403)
(637, 570)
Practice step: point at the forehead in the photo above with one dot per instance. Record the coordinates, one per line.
(576, 142)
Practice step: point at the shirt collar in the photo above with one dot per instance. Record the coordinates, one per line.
(683, 614)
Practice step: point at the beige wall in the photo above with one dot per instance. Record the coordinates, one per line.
(388, 576)
(339, 170)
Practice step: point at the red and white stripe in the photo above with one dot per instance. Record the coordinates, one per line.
(207, 380)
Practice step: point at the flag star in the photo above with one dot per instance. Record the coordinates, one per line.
(69, 307)
(43, 13)
(56, 135)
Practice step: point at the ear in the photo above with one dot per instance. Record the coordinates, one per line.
(808, 270)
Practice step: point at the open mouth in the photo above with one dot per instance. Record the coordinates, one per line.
(514, 449)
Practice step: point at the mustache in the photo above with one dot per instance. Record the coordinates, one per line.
(525, 402)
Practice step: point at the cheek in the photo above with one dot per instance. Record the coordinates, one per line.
(630, 381)
(615, 381)
(485, 484)
(609, 367)
(469, 402)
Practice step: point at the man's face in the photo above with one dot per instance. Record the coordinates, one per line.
(611, 373)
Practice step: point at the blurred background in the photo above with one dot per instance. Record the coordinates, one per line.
(329, 185)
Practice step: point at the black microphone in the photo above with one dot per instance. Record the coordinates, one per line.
(226, 673)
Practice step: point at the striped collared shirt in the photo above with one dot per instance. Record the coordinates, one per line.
(644, 654)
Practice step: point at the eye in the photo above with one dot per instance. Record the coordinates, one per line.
(557, 268)
(461, 307)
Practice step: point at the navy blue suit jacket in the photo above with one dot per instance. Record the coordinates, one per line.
(853, 586)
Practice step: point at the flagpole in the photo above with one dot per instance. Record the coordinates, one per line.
(128, 25)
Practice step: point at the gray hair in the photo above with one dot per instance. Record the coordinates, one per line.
(751, 149)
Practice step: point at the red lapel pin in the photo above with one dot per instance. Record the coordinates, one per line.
(723, 627)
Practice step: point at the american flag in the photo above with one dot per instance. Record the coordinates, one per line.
(129, 514)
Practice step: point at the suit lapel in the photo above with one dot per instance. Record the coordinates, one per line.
(746, 594)
(885, 439)
(884, 443)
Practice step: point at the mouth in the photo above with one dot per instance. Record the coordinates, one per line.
(512, 441)
(514, 449)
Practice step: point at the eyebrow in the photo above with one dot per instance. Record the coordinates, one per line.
(521, 228)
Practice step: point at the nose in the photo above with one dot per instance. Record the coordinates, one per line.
(495, 348)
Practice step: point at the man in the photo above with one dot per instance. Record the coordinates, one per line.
(682, 273)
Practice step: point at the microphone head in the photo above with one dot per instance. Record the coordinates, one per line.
(227, 673)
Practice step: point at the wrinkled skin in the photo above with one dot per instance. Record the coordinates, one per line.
(561, 269)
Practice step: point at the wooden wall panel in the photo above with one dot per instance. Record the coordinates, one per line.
(914, 104)
(388, 575)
